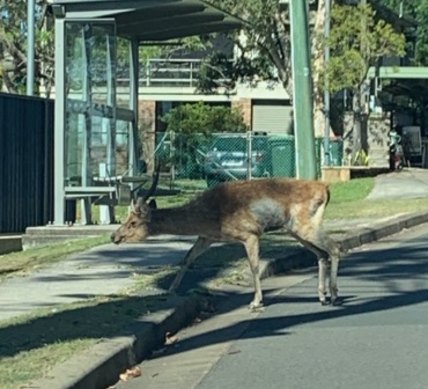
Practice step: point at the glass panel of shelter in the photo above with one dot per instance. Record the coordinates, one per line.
(97, 133)
(91, 103)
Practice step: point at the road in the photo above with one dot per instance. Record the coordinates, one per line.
(378, 337)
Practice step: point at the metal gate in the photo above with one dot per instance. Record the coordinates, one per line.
(26, 162)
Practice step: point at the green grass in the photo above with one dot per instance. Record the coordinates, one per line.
(349, 201)
(350, 191)
(30, 365)
(22, 262)
(375, 208)
(32, 344)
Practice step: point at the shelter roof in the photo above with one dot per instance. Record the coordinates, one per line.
(151, 20)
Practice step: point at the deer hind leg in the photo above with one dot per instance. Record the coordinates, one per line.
(334, 268)
(252, 248)
(200, 246)
(328, 253)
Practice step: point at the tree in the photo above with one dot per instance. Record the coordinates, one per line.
(263, 44)
(13, 46)
(193, 125)
(204, 119)
(418, 11)
(264, 47)
(357, 42)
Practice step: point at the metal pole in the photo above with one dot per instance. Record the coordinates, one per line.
(133, 105)
(249, 154)
(302, 91)
(60, 96)
(326, 85)
(30, 46)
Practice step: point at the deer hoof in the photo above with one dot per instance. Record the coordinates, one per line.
(324, 302)
(256, 306)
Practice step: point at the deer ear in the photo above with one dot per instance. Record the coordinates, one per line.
(140, 202)
(145, 213)
(137, 206)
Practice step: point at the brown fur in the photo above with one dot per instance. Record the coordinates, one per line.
(241, 211)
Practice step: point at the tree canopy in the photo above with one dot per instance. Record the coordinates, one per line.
(264, 44)
(357, 41)
(204, 118)
(13, 45)
(418, 11)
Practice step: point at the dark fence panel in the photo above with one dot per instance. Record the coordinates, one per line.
(26, 162)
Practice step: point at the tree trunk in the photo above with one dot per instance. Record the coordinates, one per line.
(358, 118)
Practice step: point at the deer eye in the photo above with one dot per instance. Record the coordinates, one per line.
(133, 224)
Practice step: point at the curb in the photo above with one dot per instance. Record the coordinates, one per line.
(107, 360)
(351, 240)
(101, 365)
(10, 243)
(381, 230)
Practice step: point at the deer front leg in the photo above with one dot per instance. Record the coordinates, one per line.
(200, 246)
(252, 248)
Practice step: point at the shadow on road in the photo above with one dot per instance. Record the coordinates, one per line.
(389, 268)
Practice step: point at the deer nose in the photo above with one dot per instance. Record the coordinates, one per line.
(114, 238)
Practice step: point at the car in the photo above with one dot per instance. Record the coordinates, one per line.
(227, 158)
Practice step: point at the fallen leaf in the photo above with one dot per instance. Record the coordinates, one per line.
(130, 373)
(170, 339)
(134, 372)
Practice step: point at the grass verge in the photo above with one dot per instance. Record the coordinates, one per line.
(23, 262)
(31, 345)
(349, 201)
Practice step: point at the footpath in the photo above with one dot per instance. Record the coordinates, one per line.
(108, 270)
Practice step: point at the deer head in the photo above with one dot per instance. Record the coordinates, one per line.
(135, 229)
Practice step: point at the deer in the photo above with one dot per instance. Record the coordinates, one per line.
(241, 211)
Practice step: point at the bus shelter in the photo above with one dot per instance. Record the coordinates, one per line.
(96, 56)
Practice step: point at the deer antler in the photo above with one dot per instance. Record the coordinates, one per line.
(155, 181)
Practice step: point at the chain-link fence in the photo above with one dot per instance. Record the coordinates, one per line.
(222, 157)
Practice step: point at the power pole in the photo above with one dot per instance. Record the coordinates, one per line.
(30, 46)
(326, 85)
(302, 91)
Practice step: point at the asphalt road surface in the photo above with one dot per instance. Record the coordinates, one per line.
(377, 338)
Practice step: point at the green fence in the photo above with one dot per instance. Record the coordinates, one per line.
(233, 156)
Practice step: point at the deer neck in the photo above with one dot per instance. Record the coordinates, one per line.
(181, 221)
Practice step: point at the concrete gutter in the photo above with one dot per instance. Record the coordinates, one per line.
(101, 366)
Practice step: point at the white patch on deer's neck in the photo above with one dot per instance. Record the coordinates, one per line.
(269, 213)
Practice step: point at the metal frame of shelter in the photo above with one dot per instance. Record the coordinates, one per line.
(95, 131)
